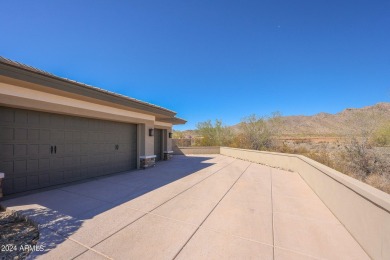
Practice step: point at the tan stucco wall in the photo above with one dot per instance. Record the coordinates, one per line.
(169, 143)
(362, 209)
(168, 129)
(162, 125)
(15, 96)
(149, 141)
(33, 97)
(196, 150)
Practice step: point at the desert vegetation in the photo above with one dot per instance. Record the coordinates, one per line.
(361, 149)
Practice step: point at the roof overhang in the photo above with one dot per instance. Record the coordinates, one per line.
(173, 120)
(14, 70)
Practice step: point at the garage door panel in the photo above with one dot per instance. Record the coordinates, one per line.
(76, 148)
(67, 149)
(68, 162)
(84, 161)
(20, 150)
(68, 136)
(84, 136)
(20, 184)
(6, 134)
(56, 163)
(59, 149)
(33, 181)
(68, 174)
(57, 136)
(6, 151)
(56, 177)
(76, 136)
(44, 136)
(21, 134)
(44, 150)
(7, 166)
(21, 117)
(33, 118)
(7, 116)
(33, 135)
(44, 164)
(84, 148)
(44, 178)
(33, 166)
(8, 186)
(33, 150)
(20, 167)
(102, 148)
(57, 121)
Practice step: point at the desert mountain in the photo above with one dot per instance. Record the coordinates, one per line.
(349, 121)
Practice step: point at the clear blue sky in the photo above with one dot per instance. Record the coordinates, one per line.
(211, 59)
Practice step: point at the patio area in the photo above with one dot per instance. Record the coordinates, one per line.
(192, 207)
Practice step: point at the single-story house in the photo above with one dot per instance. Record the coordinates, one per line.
(55, 130)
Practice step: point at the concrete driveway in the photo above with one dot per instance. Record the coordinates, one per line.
(192, 207)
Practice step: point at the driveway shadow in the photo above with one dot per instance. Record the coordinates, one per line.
(61, 211)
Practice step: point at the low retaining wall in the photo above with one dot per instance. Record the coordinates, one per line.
(196, 150)
(362, 209)
(1, 183)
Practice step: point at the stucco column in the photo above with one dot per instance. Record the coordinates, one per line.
(146, 156)
(167, 144)
(1, 182)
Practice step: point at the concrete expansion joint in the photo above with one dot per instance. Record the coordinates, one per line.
(172, 219)
(232, 235)
(313, 219)
(212, 174)
(272, 210)
(77, 242)
(297, 252)
(81, 194)
(215, 206)
(146, 213)
(272, 219)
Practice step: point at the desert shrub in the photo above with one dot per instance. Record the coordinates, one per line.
(255, 133)
(361, 160)
(178, 134)
(237, 140)
(214, 134)
(379, 181)
(381, 136)
(323, 157)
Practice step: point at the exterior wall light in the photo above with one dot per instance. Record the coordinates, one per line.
(151, 132)
(170, 135)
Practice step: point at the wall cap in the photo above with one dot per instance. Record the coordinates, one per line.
(201, 147)
(147, 156)
(368, 192)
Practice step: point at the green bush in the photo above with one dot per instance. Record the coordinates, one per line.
(381, 137)
(214, 134)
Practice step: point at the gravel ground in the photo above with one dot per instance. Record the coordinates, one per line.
(17, 236)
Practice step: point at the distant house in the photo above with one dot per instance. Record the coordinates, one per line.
(56, 130)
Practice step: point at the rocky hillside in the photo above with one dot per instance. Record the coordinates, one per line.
(350, 121)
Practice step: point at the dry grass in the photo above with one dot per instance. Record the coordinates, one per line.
(355, 157)
(15, 234)
(379, 181)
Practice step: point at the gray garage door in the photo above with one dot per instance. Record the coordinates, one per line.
(158, 144)
(40, 149)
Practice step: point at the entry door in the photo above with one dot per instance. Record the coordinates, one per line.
(158, 144)
(39, 149)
